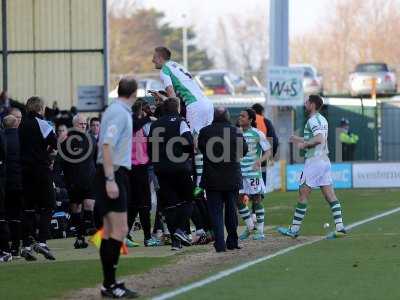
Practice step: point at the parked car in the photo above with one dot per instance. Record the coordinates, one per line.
(220, 82)
(360, 81)
(144, 85)
(312, 80)
(395, 98)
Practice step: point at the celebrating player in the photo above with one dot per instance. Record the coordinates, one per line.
(317, 169)
(178, 81)
(253, 184)
(199, 109)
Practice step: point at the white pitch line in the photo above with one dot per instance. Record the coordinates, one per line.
(241, 267)
(373, 218)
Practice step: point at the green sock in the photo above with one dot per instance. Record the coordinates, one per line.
(298, 217)
(246, 216)
(198, 162)
(260, 212)
(337, 214)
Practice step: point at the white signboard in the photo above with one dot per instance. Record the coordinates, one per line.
(285, 86)
(273, 177)
(376, 175)
(90, 98)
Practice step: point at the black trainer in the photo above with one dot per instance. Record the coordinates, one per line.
(176, 244)
(130, 292)
(44, 250)
(183, 237)
(118, 291)
(80, 243)
(27, 253)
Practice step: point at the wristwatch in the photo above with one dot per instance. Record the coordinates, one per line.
(110, 178)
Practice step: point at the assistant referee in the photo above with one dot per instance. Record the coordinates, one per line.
(112, 184)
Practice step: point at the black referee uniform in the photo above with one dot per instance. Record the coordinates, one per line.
(116, 132)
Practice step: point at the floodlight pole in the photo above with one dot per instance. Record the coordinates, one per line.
(279, 33)
(279, 56)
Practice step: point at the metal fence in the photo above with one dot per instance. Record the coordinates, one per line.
(390, 130)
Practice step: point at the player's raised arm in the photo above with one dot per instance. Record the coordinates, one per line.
(170, 91)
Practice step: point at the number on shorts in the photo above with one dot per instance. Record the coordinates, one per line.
(254, 181)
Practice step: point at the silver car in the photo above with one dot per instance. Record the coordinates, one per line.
(312, 81)
(147, 84)
(360, 81)
(144, 86)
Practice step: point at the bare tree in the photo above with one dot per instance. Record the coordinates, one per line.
(225, 45)
(123, 7)
(243, 42)
(250, 38)
(357, 31)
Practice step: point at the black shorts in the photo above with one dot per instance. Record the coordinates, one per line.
(38, 190)
(139, 187)
(2, 203)
(175, 188)
(78, 194)
(13, 204)
(104, 204)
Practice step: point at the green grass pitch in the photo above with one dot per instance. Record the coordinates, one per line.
(364, 265)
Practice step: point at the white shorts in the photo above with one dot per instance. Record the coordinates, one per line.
(199, 114)
(317, 172)
(253, 186)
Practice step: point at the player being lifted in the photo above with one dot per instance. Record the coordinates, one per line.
(253, 184)
(317, 169)
(178, 81)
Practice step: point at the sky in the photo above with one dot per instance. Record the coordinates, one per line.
(304, 15)
(204, 16)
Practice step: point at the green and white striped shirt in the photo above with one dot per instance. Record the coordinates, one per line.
(257, 143)
(175, 75)
(315, 125)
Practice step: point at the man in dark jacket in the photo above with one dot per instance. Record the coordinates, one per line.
(13, 191)
(78, 163)
(37, 140)
(222, 146)
(170, 146)
(5, 255)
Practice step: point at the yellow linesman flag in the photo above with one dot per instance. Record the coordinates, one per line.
(96, 241)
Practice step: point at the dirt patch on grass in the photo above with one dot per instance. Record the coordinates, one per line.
(191, 266)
